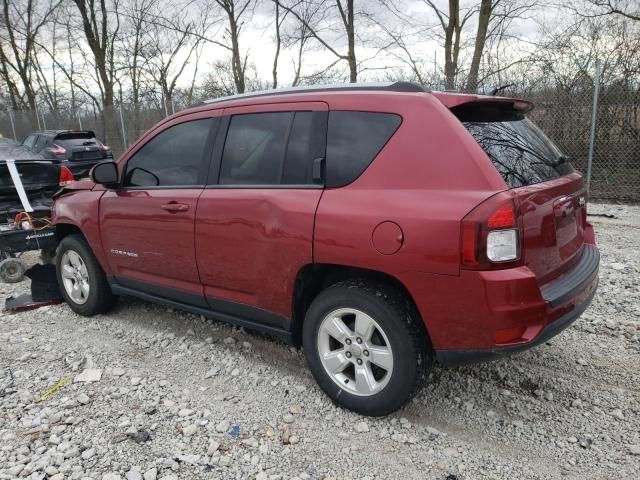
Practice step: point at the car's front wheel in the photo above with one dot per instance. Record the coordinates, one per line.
(81, 280)
(364, 347)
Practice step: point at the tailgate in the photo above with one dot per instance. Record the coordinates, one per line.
(553, 217)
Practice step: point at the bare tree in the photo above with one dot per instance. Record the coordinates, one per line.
(169, 53)
(625, 8)
(344, 9)
(452, 20)
(274, 71)
(236, 12)
(299, 36)
(493, 18)
(101, 25)
(22, 21)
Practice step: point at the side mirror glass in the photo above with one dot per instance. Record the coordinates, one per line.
(105, 173)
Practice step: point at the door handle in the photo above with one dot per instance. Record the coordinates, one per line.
(175, 207)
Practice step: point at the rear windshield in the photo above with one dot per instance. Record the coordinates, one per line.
(75, 140)
(520, 151)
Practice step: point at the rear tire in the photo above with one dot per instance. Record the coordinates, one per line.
(380, 360)
(81, 279)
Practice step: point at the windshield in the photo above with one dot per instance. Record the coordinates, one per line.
(520, 151)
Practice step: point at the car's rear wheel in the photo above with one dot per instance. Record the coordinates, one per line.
(81, 280)
(364, 347)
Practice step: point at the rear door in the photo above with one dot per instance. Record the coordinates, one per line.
(550, 194)
(254, 224)
(147, 225)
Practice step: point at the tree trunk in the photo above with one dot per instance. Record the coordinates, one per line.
(278, 43)
(451, 45)
(351, 55)
(486, 10)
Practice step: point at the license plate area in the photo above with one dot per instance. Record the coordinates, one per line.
(568, 222)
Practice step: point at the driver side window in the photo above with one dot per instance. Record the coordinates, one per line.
(172, 158)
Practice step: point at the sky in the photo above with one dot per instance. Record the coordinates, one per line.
(258, 40)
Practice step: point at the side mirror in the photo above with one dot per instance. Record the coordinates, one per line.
(105, 173)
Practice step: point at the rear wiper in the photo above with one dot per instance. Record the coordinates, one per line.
(561, 160)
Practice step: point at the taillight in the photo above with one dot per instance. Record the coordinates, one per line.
(491, 235)
(66, 177)
(105, 148)
(57, 149)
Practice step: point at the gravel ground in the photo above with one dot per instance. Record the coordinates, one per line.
(184, 397)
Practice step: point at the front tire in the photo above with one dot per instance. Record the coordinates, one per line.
(365, 347)
(81, 279)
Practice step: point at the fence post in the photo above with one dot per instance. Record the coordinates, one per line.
(124, 135)
(594, 115)
(79, 119)
(13, 126)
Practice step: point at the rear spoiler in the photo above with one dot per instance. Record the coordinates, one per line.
(465, 105)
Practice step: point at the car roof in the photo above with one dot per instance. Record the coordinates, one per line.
(337, 87)
(450, 99)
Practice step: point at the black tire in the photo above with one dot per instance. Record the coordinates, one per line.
(12, 270)
(100, 298)
(405, 333)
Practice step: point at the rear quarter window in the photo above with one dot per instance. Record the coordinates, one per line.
(354, 139)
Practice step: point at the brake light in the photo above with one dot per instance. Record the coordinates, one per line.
(503, 217)
(490, 235)
(66, 177)
(58, 149)
(105, 148)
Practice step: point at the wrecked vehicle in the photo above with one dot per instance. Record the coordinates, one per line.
(380, 226)
(28, 183)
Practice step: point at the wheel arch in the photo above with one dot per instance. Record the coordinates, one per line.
(312, 278)
(64, 229)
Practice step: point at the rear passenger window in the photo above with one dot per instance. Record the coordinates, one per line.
(272, 148)
(354, 139)
(40, 143)
(171, 158)
(30, 141)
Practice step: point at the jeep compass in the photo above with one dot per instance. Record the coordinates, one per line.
(379, 226)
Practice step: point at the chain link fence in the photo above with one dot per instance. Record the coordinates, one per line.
(566, 118)
(564, 115)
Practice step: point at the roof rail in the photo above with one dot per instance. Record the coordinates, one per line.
(370, 86)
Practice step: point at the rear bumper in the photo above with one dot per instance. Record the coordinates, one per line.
(513, 310)
(480, 315)
(465, 357)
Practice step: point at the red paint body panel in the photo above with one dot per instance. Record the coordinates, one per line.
(147, 243)
(553, 224)
(81, 208)
(251, 243)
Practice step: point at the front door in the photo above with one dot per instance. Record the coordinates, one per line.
(254, 224)
(147, 225)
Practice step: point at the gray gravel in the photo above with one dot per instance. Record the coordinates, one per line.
(184, 397)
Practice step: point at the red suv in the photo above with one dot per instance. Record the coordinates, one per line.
(379, 226)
